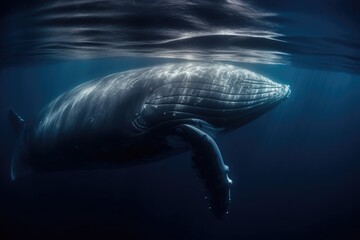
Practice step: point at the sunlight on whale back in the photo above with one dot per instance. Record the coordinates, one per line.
(221, 92)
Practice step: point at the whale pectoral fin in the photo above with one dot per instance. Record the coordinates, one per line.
(208, 161)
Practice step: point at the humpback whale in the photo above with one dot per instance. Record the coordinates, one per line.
(145, 115)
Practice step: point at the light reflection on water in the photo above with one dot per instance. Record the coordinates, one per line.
(217, 30)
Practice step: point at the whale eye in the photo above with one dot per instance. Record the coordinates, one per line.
(246, 88)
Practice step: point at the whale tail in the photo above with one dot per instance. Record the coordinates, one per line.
(18, 167)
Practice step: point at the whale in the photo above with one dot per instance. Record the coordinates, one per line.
(144, 115)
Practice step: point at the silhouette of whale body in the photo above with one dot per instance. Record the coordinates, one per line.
(145, 115)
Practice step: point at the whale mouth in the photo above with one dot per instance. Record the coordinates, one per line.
(285, 92)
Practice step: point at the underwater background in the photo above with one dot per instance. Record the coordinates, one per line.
(296, 170)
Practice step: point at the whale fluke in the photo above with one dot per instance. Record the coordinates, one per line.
(16, 121)
(18, 167)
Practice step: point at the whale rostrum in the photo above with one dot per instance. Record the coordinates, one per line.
(145, 115)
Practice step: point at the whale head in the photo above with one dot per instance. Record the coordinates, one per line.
(246, 96)
(222, 96)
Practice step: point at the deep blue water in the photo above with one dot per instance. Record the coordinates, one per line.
(296, 170)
